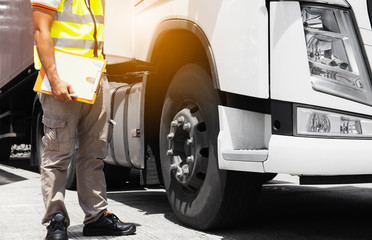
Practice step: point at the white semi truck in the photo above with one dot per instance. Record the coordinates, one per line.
(211, 97)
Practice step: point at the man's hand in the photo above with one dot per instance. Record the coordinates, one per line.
(42, 23)
(61, 91)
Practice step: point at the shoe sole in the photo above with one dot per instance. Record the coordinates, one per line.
(104, 232)
(58, 238)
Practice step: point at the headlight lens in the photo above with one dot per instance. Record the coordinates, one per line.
(313, 122)
(335, 58)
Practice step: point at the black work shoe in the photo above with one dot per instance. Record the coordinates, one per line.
(108, 225)
(57, 229)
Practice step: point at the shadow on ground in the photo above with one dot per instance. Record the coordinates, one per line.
(285, 211)
(6, 177)
(298, 212)
(20, 162)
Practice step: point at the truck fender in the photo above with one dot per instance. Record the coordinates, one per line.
(170, 25)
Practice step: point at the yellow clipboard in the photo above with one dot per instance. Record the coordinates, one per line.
(83, 73)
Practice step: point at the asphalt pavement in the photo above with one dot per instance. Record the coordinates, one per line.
(285, 211)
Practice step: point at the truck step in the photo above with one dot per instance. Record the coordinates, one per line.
(246, 155)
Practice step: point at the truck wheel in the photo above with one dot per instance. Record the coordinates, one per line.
(38, 146)
(201, 195)
(5, 147)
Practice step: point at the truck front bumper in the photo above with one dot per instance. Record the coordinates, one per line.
(318, 156)
(245, 143)
(304, 156)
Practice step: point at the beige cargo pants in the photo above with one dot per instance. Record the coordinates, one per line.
(63, 124)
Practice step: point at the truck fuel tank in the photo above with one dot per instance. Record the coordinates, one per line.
(126, 142)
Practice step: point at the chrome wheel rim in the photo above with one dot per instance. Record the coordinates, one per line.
(188, 147)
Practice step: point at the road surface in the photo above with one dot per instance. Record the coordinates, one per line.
(285, 211)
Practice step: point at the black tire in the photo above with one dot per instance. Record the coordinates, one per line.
(38, 146)
(206, 197)
(5, 147)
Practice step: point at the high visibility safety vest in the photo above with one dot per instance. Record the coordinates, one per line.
(78, 28)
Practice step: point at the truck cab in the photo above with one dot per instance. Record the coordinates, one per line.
(236, 90)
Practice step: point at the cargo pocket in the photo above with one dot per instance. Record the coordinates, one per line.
(56, 134)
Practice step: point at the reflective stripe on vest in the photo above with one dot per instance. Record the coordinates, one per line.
(73, 29)
(62, 43)
(76, 18)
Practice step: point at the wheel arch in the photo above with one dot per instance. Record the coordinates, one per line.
(173, 38)
(190, 34)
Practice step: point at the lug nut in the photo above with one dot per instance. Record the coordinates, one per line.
(179, 173)
(173, 166)
(185, 169)
(174, 123)
(170, 152)
(187, 127)
(170, 136)
(190, 159)
(181, 120)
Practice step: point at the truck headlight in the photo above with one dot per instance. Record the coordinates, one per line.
(315, 122)
(335, 57)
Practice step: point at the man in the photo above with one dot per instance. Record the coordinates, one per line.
(75, 26)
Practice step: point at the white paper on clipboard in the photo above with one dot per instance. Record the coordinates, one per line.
(83, 73)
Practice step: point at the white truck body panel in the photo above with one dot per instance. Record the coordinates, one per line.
(237, 31)
(240, 50)
(361, 13)
(316, 156)
(118, 31)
